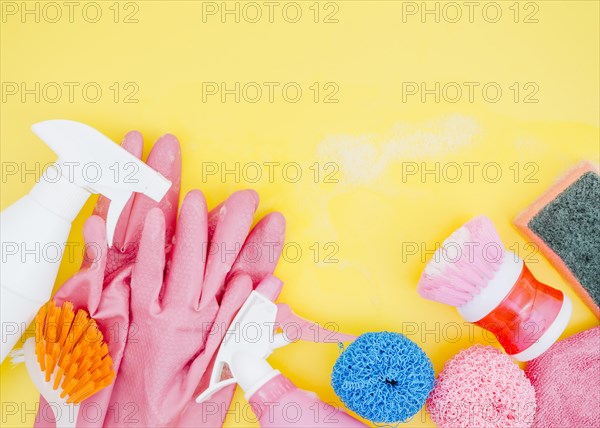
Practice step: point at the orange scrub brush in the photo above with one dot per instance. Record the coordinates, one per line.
(67, 360)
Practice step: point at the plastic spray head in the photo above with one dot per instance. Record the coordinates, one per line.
(250, 339)
(90, 160)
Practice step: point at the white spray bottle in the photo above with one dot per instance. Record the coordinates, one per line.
(34, 230)
(275, 400)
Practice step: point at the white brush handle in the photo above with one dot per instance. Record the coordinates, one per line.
(65, 414)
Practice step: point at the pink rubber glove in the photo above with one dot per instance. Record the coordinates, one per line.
(205, 283)
(102, 285)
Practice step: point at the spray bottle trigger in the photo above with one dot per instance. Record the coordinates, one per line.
(213, 389)
(245, 346)
(79, 146)
(118, 200)
(279, 341)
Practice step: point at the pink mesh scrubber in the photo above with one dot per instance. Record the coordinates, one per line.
(566, 379)
(481, 387)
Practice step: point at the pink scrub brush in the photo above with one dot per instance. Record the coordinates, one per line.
(494, 289)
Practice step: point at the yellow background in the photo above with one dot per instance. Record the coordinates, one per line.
(372, 213)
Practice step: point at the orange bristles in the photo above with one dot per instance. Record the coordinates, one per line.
(71, 347)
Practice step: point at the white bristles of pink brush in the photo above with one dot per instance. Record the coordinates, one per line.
(464, 264)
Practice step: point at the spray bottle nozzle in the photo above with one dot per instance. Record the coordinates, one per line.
(249, 340)
(90, 160)
(252, 337)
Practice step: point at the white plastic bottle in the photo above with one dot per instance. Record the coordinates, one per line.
(34, 229)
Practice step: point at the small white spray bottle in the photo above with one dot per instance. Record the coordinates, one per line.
(34, 230)
(275, 400)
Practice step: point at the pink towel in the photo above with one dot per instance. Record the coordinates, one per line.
(566, 379)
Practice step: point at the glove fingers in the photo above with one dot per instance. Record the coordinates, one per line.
(84, 289)
(165, 157)
(134, 144)
(214, 214)
(230, 225)
(270, 287)
(262, 249)
(96, 247)
(186, 268)
(147, 275)
(238, 290)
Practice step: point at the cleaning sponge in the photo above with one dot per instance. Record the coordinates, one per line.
(565, 224)
(481, 387)
(384, 377)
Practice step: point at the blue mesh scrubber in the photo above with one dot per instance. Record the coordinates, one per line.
(383, 377)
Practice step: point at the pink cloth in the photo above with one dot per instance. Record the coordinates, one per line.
(566, 379)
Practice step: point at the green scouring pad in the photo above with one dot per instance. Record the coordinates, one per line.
(565, 224)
